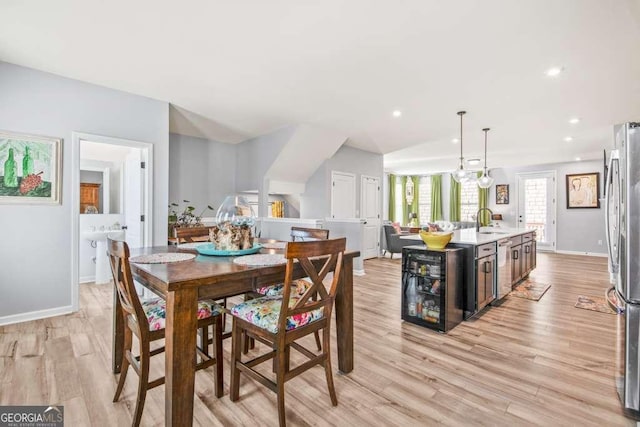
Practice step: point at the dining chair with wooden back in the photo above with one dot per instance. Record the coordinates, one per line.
(298, 234)
(280, 325)
(146, 320)
(302, 234)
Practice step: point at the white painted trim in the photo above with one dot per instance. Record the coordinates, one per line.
(75, 220)
(293, 220)
(358, 272)
(87, 279)
(349, 220)
(582, 253)
(147, 156)
(35, 315)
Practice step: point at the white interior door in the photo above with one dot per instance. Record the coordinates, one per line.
(134, 199)
(370, 210)
(343, 195)
(537, 206)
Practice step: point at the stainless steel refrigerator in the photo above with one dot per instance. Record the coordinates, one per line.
(622, 218)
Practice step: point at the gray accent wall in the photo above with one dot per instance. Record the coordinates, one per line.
(256, 155)
(35, 271)
(201, 171)
(316, 200)
(577, 230)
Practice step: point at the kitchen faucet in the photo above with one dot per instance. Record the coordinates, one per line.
(478, 217)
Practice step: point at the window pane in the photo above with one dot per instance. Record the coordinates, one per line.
(398, 212)
(424, 201)
(535, 190)
(468, 201)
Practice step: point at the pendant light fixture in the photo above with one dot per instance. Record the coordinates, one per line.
(485, 180)
(461, 175)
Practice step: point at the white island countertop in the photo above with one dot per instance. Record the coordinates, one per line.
(469, 236)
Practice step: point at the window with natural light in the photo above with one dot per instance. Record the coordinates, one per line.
(468, 201)
(536, 206)
(424, 200)
(398, 212)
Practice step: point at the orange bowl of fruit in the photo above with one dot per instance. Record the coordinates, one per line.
(436, 239)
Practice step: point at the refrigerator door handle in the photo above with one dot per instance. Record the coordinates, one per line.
(612, 304)
(607, 210)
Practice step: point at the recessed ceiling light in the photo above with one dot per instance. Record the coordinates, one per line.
(473, 162)
(554, 71)
(568, 138)
(455, 140)
(578, 159)
(574, 120)
(397, 113)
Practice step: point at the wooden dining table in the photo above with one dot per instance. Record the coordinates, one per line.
(182, 284)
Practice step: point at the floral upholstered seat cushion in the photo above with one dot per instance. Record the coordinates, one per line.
(298, 287)
(264, 312)
(156, 311)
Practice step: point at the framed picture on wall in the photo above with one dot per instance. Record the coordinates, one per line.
(502, 194)
(583, 190)
(31, 169)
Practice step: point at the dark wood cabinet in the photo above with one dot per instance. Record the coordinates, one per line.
(516, 263)
(523, 256)
(485, 274)
(89, 196)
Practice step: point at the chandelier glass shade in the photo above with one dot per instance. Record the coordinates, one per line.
(485, 180)
(461, 174)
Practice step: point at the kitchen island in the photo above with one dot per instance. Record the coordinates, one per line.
(494, 260)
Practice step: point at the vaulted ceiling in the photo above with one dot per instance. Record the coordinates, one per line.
(234, 70)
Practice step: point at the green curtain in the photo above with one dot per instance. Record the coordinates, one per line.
(415, 206)
(436, 198)
(483, 202)
(392, 197)
(454, 201)
(405, 207)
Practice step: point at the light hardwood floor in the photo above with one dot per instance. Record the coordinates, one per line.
(525, 362)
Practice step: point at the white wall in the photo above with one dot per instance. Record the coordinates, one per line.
(201, 171)
(577, 230)
(35, 273)
(315, 202)
(256, 155)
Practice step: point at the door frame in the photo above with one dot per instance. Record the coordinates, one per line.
(554, 210)
(378, 220)
(333, 174)
(147, 155)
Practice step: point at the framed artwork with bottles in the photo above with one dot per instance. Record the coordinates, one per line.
(30, 166)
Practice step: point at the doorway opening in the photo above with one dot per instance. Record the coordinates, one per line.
(537, 206)
(111, 197)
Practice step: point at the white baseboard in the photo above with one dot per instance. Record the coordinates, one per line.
(87, 279)
(358, 272)
(582, 253)
(35, 315)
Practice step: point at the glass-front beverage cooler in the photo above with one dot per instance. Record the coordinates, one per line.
(432, 287)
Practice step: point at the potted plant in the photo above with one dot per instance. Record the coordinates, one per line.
(184, 217)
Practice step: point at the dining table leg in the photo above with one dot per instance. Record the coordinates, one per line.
(180, 356)
(344, 317)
